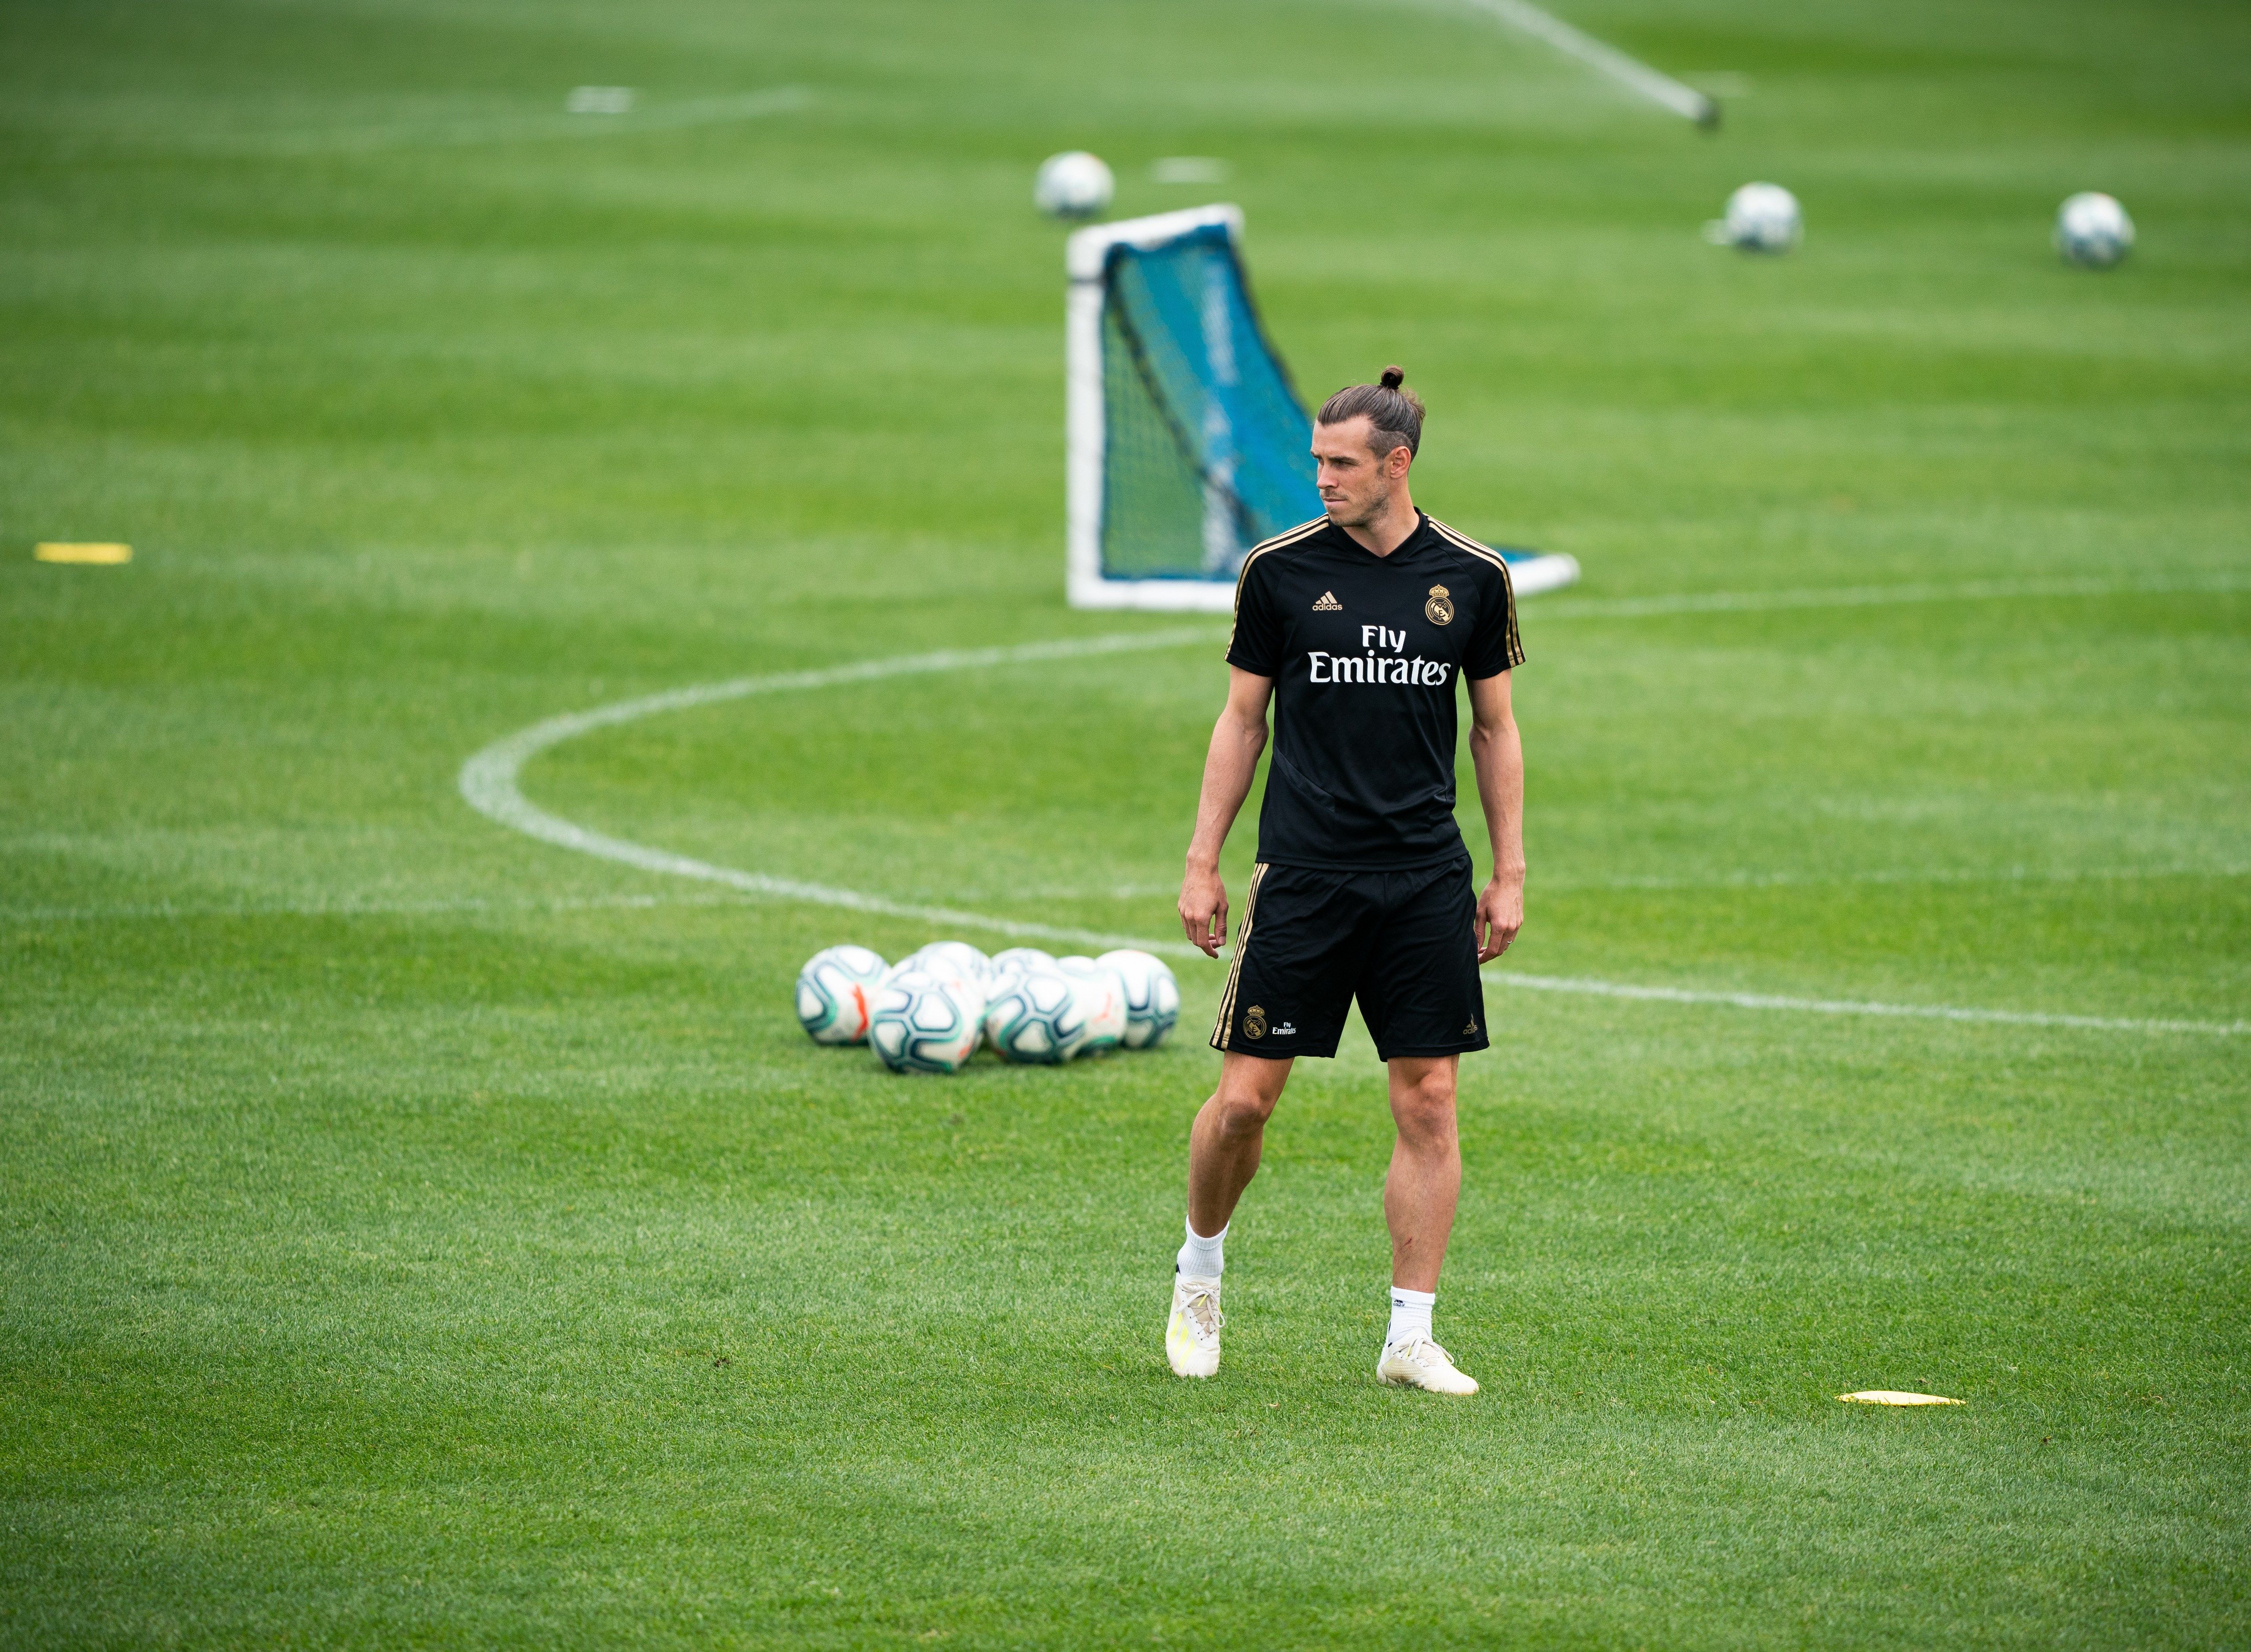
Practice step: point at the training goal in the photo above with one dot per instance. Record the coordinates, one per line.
(1187, 443)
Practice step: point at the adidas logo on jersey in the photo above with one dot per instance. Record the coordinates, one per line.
(1328, 603)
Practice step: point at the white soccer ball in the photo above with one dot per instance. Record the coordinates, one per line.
(1762, 218)
(1013, 962)
(1153, 997)
(1037, 1016)
(1073, 185)
(962, 966)
(2091, 229)
(954, 959)
(1101, 1000)
(833, 993)
(918, 1026)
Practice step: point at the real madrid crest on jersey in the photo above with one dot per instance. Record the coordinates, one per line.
(1254, 1022)
(1439, 610)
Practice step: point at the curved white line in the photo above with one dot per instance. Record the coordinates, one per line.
(491, 782)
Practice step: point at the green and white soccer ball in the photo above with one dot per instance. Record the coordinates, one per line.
(1762, 218)
(1036, 1017)
(1016, 960)
(952, 957)
(1072, 185)
(1101, 1001)
(1153, 997)
(918, 1025)
(965, 972)
(833, 993)
(2093, 230)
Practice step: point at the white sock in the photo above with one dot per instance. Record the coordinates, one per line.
(1410, 1315)
(1200, 1258)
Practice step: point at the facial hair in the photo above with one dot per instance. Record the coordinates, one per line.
(1373, 508)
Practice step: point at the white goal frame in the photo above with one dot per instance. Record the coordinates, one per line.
(1084, 255)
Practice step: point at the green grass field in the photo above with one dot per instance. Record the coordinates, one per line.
(412, 1233)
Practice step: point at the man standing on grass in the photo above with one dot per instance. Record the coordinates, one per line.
(1355, 625)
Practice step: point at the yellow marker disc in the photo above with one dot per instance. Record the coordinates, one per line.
(53, 551)
(1895, 1397)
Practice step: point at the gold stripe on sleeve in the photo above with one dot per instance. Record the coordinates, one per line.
(1286, 538)
(1514, 643)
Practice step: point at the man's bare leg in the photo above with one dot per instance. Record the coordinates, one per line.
(1223, 1148)
(1229, 1134)
(1419, 1196)
(1425, 1182)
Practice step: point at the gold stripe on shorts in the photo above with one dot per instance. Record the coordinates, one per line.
(1235, 971)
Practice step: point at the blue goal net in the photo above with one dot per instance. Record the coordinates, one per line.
(1189, 443)
(1204, 439)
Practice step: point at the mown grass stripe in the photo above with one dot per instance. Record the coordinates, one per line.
(1856, 1006)
(1733, 602)
(491, 782)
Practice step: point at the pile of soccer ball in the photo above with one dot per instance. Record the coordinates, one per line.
(929, 1012)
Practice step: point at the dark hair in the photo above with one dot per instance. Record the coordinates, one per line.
(1396, 411)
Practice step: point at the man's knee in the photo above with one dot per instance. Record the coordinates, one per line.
(1238, 1117)
(1423, 1101)
(1248, 1088)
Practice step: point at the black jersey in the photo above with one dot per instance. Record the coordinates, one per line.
(1365, 651)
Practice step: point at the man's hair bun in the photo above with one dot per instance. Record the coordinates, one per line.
(1394, 413)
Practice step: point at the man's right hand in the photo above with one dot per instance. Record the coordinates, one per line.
(1203, 909)
(1228, 767)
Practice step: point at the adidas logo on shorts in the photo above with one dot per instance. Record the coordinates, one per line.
(1328, 603)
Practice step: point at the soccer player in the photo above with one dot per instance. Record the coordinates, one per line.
(1355, 626)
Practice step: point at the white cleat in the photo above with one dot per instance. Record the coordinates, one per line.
(1420, 1363)
(1192, 1334)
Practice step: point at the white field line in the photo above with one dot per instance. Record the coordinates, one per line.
(1898, 877)
(465, 906)
(1745, 602)
(491, 782)
(1631, 72)
(1850, 1006)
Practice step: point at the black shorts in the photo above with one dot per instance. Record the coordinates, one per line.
(1309, 942)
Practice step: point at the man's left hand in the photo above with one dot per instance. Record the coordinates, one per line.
(1500, 915)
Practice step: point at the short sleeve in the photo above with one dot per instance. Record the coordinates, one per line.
(1494, 647)
(1256, 644)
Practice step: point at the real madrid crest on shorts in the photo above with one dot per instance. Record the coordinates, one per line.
(1254, 1022)
(1439, 610)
